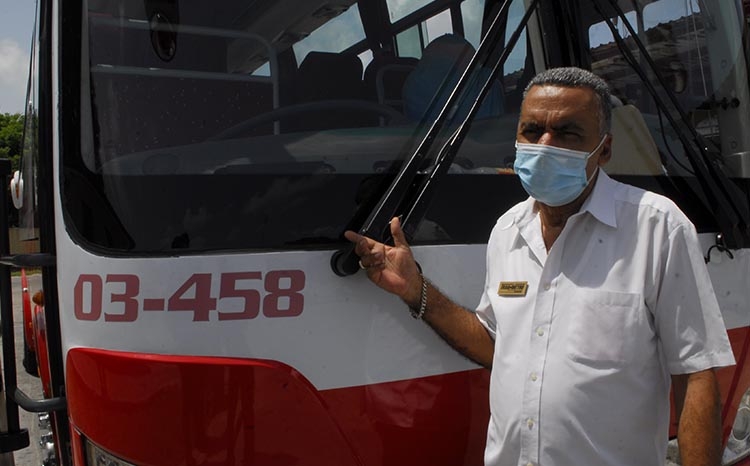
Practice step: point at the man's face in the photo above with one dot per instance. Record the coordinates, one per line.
(566, 117)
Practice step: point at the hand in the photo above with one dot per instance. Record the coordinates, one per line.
(392, 268)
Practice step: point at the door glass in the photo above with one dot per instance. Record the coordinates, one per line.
(27, 213)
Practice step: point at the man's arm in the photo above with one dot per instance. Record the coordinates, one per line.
(394, 269)
(698, 408)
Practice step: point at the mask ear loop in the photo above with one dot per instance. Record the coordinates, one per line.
(591, 154)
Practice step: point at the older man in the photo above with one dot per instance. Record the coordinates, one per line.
(596, 297)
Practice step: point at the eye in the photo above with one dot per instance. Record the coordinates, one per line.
(571, 135)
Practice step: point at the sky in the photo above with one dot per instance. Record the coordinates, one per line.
(16, 27)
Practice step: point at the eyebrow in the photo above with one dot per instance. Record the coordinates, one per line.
(568, 126)
(558, 128)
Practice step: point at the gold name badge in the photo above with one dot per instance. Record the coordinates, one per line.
(513, 288)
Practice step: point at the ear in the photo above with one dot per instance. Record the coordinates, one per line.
(606, 151)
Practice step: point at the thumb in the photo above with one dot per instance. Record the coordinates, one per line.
(397, 233)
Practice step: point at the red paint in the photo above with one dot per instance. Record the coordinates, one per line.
(158, 410)
(42, 356)
(94, 311)
(251, 297)
(76, 444)
(201, 303)
(127, 298)
(733, 382)
(273, 285)
(28, 326)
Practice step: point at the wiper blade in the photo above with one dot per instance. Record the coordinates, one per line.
(418, 206)
(344, 261)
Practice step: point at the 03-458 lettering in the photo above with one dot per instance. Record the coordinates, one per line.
(278, 293)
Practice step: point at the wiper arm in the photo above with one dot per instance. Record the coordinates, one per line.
(733, 216)
(418, 206)
(344, 261)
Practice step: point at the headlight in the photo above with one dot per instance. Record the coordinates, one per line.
(95, 456)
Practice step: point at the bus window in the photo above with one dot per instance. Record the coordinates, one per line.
(472, 12)
(335, 36)
(439, 25)
(399, 9)
(412, 41)
(489, 148)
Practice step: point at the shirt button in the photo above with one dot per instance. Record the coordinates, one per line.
(533, 376)
(530, 423)
(546, 287)
(540, 331)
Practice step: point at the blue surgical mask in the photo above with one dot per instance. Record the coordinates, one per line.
(552, 175)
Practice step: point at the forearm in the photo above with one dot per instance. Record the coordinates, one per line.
(458, 326)
(699, 431)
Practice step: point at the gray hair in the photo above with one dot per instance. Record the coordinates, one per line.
(577, 77)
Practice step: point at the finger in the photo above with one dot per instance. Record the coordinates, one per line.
(352, 236)
(397, 233)
(362, 244)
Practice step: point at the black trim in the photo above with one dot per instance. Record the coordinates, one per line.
(29, 260)
(45, 192)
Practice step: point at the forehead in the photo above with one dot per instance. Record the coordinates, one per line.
(551, 105)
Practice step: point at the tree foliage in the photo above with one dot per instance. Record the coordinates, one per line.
(11, 137)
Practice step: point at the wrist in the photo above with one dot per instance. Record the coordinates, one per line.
(418, 311)
(413, 290)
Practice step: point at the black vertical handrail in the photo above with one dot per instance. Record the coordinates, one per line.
(15, 438)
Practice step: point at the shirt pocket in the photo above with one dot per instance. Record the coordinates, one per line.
(607, 327)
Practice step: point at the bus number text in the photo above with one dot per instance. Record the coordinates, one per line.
(242, 295)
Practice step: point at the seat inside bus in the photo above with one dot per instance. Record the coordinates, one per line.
(325, 76)
(384, 79)
(443, 62)
(634, 151)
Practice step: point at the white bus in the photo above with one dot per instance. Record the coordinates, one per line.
(190, 168)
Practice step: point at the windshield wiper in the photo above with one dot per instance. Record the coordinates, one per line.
(402, 195)
(729, 203)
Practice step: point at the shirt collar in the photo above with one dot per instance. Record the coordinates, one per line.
(600, 204)
(601, 201)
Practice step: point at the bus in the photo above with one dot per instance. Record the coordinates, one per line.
(189, 169)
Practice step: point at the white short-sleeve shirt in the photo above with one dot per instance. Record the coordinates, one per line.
(582, 361)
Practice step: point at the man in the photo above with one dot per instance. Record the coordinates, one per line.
(596, 295)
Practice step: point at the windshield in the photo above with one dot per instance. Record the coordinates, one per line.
(276, 125)
(248, 127)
